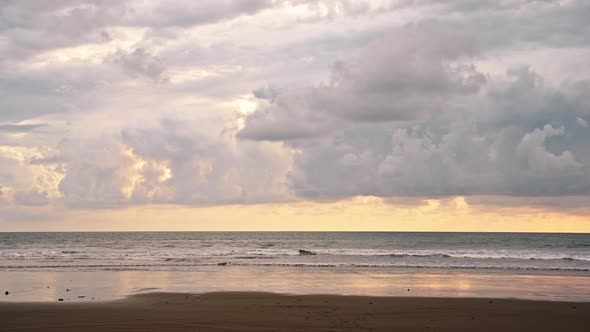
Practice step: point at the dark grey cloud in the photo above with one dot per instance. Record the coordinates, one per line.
(140, 62)
(20, 128)
(518, 22)
(96, 174)
(46, 160)
(189, 13)
(30, 26)
(27, 94)
(460, 160)
(412, 73)
(31, 198)
(485, 136)
(330, 9)
(568, 204)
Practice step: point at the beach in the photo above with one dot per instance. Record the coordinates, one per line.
(262, 282)
(250, 311)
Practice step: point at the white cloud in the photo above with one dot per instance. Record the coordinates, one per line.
(171, 164)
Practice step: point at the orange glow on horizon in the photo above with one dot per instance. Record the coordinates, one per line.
(354, 214)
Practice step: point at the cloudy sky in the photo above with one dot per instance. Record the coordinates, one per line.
(302, 114)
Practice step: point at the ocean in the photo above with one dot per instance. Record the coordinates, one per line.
(106, 266)
(387, 250)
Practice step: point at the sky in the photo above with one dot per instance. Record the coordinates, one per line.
(466, 115)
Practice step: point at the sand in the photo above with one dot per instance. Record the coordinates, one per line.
(274, 312)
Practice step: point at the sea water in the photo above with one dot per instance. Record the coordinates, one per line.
(105, 266)
(396, 250)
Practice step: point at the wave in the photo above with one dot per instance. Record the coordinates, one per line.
(417, 255)
(466, 254)
(254, 257)
(180, 255)
(306, 265)
(381, 266)
(488, 257)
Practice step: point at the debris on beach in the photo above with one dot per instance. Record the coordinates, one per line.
(306, 253)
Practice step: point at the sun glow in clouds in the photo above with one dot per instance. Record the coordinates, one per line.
(244, 106)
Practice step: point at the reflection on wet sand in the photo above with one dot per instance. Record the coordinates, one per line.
(106, 285)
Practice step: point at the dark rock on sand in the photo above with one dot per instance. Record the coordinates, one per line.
(222, 264)
(6, 293)
(60, 300)
(306, 252)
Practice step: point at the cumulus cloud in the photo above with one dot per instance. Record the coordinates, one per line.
(171, 164)
(539, 160)
(507, 139)
(198, 169)
(410, 74)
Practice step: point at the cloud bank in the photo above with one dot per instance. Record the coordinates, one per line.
(108, 104)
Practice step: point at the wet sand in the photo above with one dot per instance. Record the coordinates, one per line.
(32, 285)
(251, 311)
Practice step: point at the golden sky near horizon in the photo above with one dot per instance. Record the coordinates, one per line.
(356, 214)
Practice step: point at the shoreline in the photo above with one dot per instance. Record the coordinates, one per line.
(258, 311)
